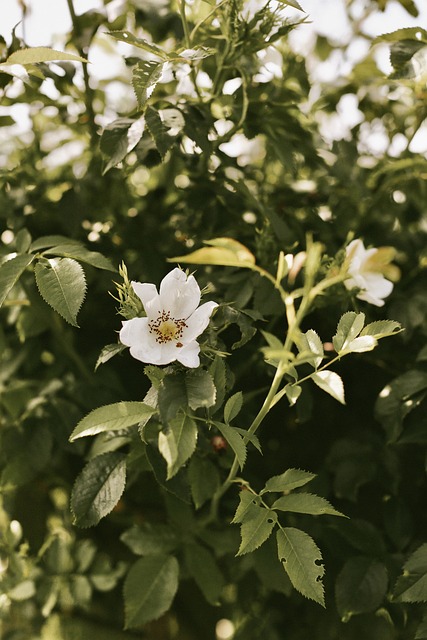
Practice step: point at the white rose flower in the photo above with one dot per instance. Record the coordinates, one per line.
(366, 268)
(174, 321)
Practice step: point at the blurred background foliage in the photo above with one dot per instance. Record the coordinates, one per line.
(259, 148)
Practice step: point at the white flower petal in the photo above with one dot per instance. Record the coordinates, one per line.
(377, 285)
(136, 335)
(198, 321)
(145, 291)
(179, 294)
(189, 355)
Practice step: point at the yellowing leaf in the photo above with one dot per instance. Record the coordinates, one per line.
(221, 251)
(40, 54)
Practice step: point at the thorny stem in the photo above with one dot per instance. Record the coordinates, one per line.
(86, 79)
(294, 319)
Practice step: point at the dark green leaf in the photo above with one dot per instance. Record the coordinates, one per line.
(398, 399)
(150, 539)
(302, 559)
(11, 271)
(248, 507)
(204, 569)
(361, 586)
(111, 417)
(412, 585)
(204, 479)
(149, 589)
(178, 442)
(98, 488)
(145, 76)
(172, 397)
(62, 284)
(50, 241)
(200, 387)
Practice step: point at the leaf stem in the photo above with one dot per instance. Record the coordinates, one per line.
(89, 93)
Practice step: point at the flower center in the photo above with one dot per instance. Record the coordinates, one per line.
(165, 328)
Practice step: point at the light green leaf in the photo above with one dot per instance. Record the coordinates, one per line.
(301, 557)
(349, 327)
(204, 480)
(293, 392)
(118, 139)
(200, 387)
(361, 587)
(411, 33)
(248, 506)
(311, 342)
(108, 352)
(204, 569)
(330, 382)
(235, 441)
(412, 585)
(80, 253)
(145, 75)
(221, 251)
(381, 329)
(256, 529)
(11, 271)
(40, 54)
(129, 38)
(291, 3)
(111, 417)
(233, 406)
(149, 589)
(150, 539)
(198, 52)
(98, 488)
(306, 503)
(62, 284)
(178, 443)
(289, 480)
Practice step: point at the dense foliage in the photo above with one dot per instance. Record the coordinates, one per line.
(274, 485)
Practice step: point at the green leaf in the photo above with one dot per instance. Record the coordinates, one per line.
(199, 52)
(289, 480)
(235, 441)
(361, 586)
(7, 121)
(349, 327)
(305, 503)
(200, 387)
(150, 539)
(34, 55)
(248, 506)
(311, 342)
(291, 3)
(421, 633)
(145, 75)
(204, 569)
(233, 406)
(112, 417)
(412, 585)
(118, 139)
(301, 559)
(398, 399)
(172, 397)
(98, 488)
(62, 284)
(108, 352)
(10, 272)
(149, 589)
(80, 253)
(221, 251)
(269, 571)
(164, 126)
(256, 529)
(293, 392)
(23, 241)
(381, 329)
(50, 241)
(204, 479)
(330, 382)
(178, 443)
(129, 38)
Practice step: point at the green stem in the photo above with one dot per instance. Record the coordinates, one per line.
(187, 35)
